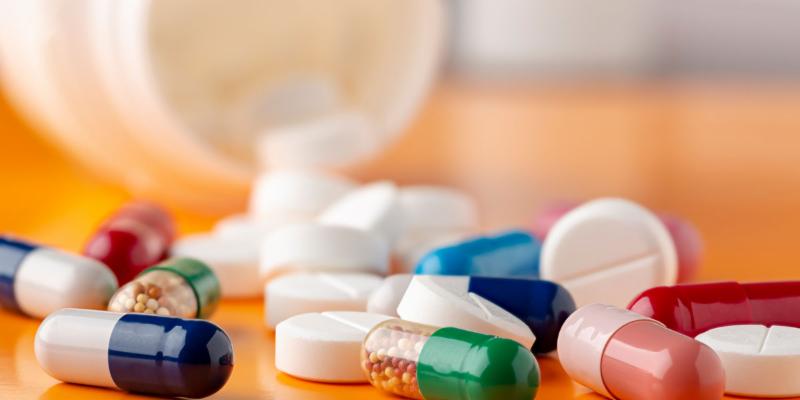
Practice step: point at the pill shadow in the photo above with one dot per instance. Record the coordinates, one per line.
(62, 391)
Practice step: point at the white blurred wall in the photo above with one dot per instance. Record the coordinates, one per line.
(626, 38)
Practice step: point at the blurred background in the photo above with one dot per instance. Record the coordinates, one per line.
(688, 107)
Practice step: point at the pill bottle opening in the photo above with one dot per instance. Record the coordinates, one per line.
(229, 72)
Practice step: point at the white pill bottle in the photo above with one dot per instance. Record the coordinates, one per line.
(168, 98)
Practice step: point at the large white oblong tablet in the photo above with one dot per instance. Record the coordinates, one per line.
(445, 301)
(324, 346)
(296, 191)
(386, 298)
(373, 208)
(758, 361)
(294, 294)
(436, 208)
(332, 140)
(244, 225)
(233, 259)
(608, 251)
(315, 247)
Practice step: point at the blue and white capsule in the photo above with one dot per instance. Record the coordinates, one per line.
(542, 305)
(509, 254)
(141, 353)
(37, 280)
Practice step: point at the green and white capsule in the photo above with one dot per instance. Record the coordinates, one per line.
(180, 287)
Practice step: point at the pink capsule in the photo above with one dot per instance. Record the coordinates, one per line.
(623, 355)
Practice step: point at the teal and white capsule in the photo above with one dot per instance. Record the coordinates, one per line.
(37, 280)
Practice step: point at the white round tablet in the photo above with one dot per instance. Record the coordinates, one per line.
(373, 207)
(608, 251)
(296, 191)
(758, 361)
(386, 298)
(243, 225)
(294, 294)
(331, 140)
(324, 346)
(233, 260)
(436, 208)
(315, 247)
(445, 301)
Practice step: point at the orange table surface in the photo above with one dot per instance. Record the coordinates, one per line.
(723, 156)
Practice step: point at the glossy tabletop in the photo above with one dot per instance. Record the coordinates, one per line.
(724, 156)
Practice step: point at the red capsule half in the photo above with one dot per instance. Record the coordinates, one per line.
(692, 309)
(135, 237)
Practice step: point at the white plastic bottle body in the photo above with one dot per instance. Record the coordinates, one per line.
(108, 81)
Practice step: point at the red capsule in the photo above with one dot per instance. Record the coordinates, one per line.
(135, 237)
(692, 309)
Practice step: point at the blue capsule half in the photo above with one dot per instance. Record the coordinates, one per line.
(509, 254)
(150, 354)
(542, 305)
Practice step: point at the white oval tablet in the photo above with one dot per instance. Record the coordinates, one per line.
(758, 361)
(234, 261)
(324, 347)
(315, 247)
(332, 140)
(294, 294)
(608, 251)
(296, 191)
(386, 298)
(436, 208)
(244, 225)
(373, 208)
(444, 301)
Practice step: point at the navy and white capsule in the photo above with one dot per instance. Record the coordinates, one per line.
(37, 280)
(542, 305)
(509, 254)
(141, 353)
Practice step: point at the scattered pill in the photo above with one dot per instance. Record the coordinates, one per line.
(623, 355)
(301, 293)
(37, 280)
(385, 298)
(436, 208)
(687, 239)
(374, 208)
(324, 346)
(410, 249)
(424, 362)
(512, 253)
(542, 305)
(135, 237)
(299, 192)
(692, 309)
(445, 301)
(234, 260)
(315, 247)
(150, 354)
(759, 361)
(331, 140)
(184, 287)
(243, 226)
(608, 250)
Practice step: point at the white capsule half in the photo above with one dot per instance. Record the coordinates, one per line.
(37, 281)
